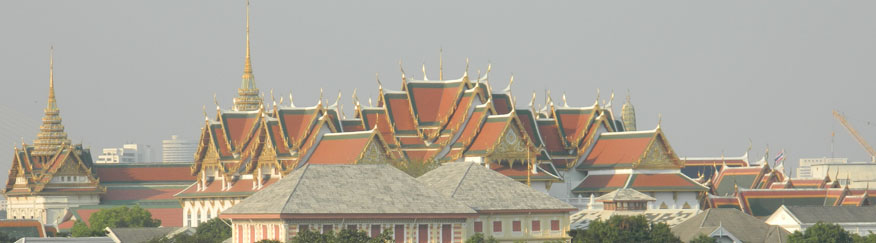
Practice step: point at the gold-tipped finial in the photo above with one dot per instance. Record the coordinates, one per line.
(424, 72)
(441, 64)
(660, 120)
(291, 103)
(402, 69)
(532, 101)
(510, 82)
(565, 102)
(465, 74)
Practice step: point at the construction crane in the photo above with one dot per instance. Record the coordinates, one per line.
(842, 119)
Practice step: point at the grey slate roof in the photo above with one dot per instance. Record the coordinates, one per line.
(135, 235)
(745, 227)
(485, 189)
(348, 189)
(841, 214)
(625, 194)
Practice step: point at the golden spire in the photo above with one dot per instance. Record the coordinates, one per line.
(247, 66)
(51, 136)
(247, 95)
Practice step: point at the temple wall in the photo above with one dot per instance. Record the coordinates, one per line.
(48, 210)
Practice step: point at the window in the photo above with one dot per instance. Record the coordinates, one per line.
(446, 233)
(399, 233)
(423, 233)
(497, 226)
(375, 230)
(326, 228)
(515, 226)
(536, 225)
(352, 227)
(302, 227)
(478, 227)
(555, 225)
(264, 231)
(674, 195)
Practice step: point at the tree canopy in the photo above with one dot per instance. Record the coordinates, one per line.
(822, 232)
(123, 217)
(620, 228)
(214, 230)
(344, 236)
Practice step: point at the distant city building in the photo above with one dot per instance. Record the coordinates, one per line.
(853, 174)
(177, 150)
(804, 169)
(128, 153)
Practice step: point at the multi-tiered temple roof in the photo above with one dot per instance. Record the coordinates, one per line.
(52, 165)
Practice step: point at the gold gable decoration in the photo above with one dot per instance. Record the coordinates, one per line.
(374, 154)
(510, 146)
(658, 156)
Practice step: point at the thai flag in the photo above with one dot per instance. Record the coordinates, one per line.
(779, 158)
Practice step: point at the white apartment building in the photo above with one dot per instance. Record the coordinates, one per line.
(176, 150)
(128, 153)
(804, 168)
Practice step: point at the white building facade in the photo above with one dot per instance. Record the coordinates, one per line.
(176, 150)
(128, 153)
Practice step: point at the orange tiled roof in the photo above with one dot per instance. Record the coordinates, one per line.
(618, 150)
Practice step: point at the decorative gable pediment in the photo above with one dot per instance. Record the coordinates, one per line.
(374, 154)
(658, 156)
(510, 145)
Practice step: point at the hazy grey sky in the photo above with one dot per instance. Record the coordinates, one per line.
(719, 72)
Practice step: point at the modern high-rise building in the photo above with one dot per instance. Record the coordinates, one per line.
(176, 150)
(128, 153)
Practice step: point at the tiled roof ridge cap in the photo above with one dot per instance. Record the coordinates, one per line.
(628, 133)
(291, 194)
(459, 184)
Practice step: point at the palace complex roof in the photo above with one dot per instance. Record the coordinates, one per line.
(486, 190)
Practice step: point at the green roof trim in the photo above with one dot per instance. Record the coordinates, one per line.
(625, 135)
(296, 111)
(347, 135)
(142, 165)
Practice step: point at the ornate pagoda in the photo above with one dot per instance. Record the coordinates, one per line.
(51, 175)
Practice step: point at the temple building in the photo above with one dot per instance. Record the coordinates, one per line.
(759, 190)
(55, 182)
(52, 174)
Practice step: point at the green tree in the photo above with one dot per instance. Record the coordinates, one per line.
(702, 238)
(621, 228)
(268, 241)
(660, 232)
(871, 238)
(214, 230)
(821, 232)
(344, 236)
(479, 238)
(123, 217)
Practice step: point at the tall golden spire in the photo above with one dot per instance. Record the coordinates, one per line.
(248, 94)
(51, 136)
